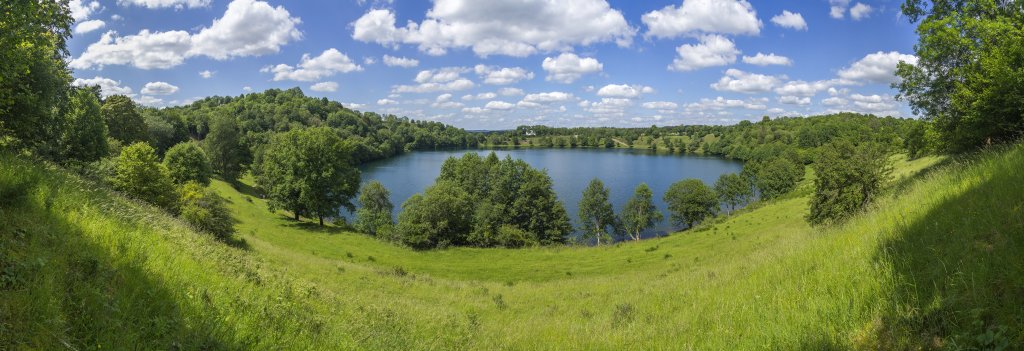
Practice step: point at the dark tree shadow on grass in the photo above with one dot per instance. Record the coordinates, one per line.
(100, 301)
(315, 227)
(960, 270)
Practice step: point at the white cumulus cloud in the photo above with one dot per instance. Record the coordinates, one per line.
(247, 28)
(502, 75)
(437, 80)
(500, 27)
(329, 63)
(743, 82)
(159, 88)
(107, 86)
(879, 67)
(325, 87)
(765, 60)
(567, 67)
(696, 17)
(790, 20)
(623, 91)
(860, 11)
(713, 50)
(499, 105)
(157, 4)
(392, 61)
(89, 26)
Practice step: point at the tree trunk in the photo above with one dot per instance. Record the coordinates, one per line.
(321, 217)
(296, 215)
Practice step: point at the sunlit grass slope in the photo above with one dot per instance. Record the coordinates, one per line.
(936, 265)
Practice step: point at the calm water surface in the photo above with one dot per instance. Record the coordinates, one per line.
(570, 170)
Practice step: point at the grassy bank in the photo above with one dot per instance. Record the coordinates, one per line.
(935, 265)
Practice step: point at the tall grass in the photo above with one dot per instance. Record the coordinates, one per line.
(935, 265)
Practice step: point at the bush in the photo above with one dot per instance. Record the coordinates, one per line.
(436, 218)
(139, 174)
(849, 177)
(187, 162)
(205, 210)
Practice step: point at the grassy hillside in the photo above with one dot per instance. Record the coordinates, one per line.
(935, 265)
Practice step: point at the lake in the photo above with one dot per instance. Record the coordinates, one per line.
(570, 170)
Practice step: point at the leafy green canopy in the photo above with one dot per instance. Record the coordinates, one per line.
(206, 210)
(513, 204)
(968, 77)
(33, 75)
(84, 137)
(690, 201)
(308, 172)
(371, 136)
(187, 162)
(639, 214)
(375, 208)
(124, 120)
(140, 174)
(849, 177)
(733, 190)
(597, 219)
(223, 145)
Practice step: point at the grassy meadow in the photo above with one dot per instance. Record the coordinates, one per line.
(935, 265)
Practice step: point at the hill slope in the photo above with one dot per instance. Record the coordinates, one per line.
(935, 265)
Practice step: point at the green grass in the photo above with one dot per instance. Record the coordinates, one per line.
(935, 265)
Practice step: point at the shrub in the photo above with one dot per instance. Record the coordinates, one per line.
(205, 210)
(139, 174)
(849, 177)
(187, 162)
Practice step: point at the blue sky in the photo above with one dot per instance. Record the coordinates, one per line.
(494, 64)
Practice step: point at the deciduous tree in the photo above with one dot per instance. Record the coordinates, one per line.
(639, 214)
(187, 162)
(597, 219)
(690, 201)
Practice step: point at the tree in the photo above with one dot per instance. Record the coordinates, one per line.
(375, 208)
(776, 177)
(187, 162)
(508, 193)
(205, 210)
(163, 134)
(967, 76)
(224, 147)
(139, 173)
(733, 190)
(124, 122)
(436, 218)
(915, 141)
(849, 177)
(639, 214)
(308, 171)
(85, 135)
(689, 202)
(34, 77)
(597, 219)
